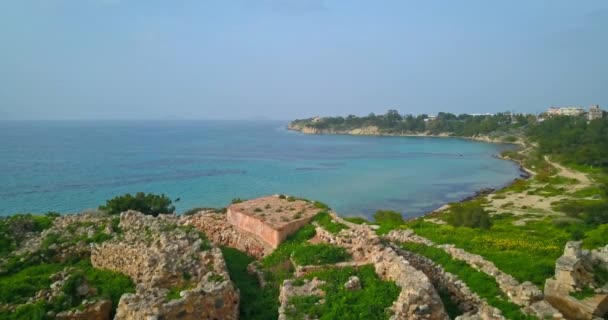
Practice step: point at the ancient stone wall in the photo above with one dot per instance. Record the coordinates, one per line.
(468, 302)
(222, 233)
(524, 294)
(219, 301)
(418, 298)
(160, 255)
(255, 226)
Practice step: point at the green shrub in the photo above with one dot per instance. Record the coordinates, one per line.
(596, 238)
(150, 204)
(469, 214)
(237, 200)
(388, 217)
(317, 254)
(356, 220)
(388, 220)
(321, 205)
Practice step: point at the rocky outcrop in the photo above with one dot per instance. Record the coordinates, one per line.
(523, 294)
(222, 233)
(161, 255)
(574, 272)
(418, 298)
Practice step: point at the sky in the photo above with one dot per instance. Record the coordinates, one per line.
(285, 59)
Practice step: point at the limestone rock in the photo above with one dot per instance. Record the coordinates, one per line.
(353, 283)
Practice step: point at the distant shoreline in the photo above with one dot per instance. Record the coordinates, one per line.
(524, 172)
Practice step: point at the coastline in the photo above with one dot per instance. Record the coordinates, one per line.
(373, 132)
(525, 173)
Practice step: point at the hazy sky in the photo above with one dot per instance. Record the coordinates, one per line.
(297, 58)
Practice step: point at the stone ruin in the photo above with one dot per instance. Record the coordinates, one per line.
(574, 272)
(256, 226)
(418, 298)
(271, 219)
(160, 255)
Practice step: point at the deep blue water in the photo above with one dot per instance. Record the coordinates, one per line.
(73, 165)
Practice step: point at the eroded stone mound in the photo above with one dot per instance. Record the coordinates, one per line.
(178, 273)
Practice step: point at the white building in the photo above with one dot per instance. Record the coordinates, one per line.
(595, 113)
(565, 111)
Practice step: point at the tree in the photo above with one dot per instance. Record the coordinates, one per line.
(149, 204)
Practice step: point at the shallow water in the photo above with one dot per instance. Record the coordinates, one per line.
(73, 165)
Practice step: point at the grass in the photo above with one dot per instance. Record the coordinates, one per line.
(482, 284)
(318, 254)
(325, 221)
(27, 222)
(587, 292)
(19, 286)
(368, 303)
(536, 245)
(256, 303)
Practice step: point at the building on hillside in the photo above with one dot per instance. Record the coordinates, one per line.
(595, 113)
(565, 111)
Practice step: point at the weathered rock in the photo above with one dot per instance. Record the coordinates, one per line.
(99, 310)
(353, 283)
(574, 271)
(290, 289)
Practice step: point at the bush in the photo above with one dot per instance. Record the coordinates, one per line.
(317, 254)
(470, 214)
(149, 204)
(356, 220)
(321, 205)
(388, 220)
(388, 216)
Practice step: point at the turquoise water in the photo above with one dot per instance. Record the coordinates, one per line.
(71, 166)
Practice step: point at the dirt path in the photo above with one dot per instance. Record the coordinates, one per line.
(583, 180)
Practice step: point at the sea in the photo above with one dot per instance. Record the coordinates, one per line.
(70, 166)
